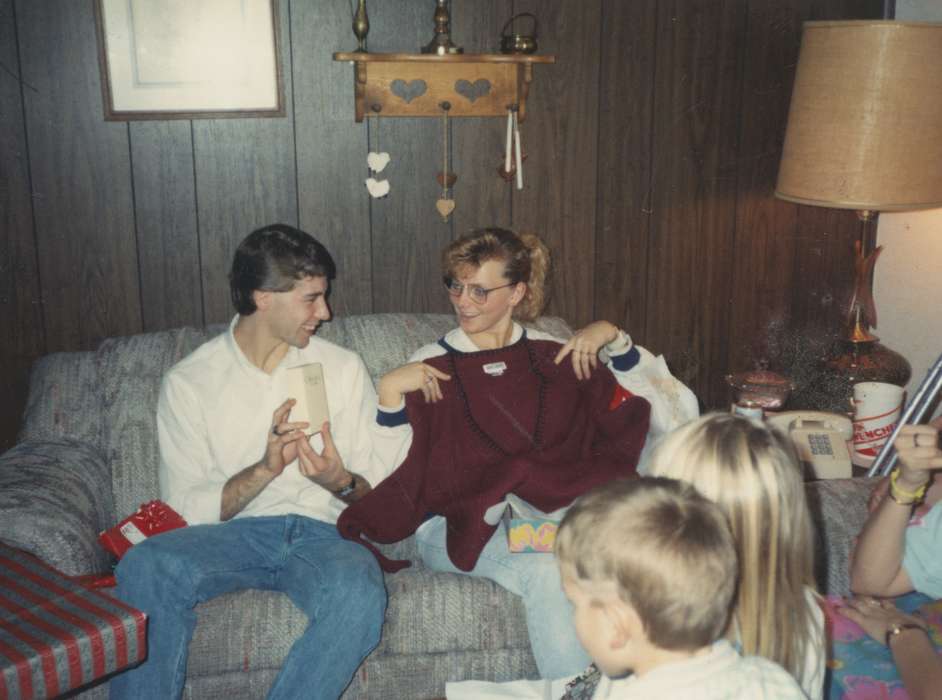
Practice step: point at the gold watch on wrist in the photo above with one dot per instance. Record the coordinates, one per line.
(897, 628)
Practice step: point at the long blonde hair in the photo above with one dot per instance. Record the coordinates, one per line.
(526, 259)
(752, 473)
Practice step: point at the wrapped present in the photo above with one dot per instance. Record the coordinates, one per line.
(56, 634)
(96, 580)
(528, 529)
(150, 519)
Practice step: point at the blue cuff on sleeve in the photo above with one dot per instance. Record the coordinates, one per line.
(625, 362)
(392, 419)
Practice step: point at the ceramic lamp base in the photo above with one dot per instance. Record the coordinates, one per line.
(867, 361)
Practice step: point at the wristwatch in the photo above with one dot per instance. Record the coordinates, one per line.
(898, 627)
(349, 489)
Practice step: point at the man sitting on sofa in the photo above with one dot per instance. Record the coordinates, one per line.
(261, 498)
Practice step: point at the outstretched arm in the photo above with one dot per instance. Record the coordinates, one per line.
(414, 376)
(636, 370)
(877, 567)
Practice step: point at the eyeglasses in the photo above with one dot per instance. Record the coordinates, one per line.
(477, 294)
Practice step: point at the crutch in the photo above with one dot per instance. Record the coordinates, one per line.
(914, 412)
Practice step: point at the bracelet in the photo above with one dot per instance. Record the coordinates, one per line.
(898, 627)
(897, 493)
(349, 489)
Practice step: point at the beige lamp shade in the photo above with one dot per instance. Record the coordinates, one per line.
(865, 124)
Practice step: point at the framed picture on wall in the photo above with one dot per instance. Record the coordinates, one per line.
(180, 59)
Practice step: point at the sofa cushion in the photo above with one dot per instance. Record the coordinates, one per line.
(385, 341)
(130, 370)
(55, 497)
(381, 677)
(839, 511)
(428, 613)
(64, 399)
(434, 612)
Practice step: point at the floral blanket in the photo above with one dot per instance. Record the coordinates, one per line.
(860, 668)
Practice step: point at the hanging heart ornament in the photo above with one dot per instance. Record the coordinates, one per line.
(445, 207)
(377, 188)
(377, 161)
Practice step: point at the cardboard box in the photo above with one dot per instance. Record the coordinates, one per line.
(57, 634)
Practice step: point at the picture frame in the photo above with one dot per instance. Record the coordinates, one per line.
(179, 59)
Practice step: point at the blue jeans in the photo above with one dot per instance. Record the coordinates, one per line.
(335, 582)
(532, 576)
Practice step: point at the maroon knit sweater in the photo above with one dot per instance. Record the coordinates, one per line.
(535, 430)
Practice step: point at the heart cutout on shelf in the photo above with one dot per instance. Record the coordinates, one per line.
(408, 91)
(472, 91)
(377, 188)
(377, 161)
(445, 207)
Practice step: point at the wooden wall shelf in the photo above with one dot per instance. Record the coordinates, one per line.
(416, 85)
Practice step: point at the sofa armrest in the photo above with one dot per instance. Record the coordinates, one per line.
(839, 510)
(55, 497)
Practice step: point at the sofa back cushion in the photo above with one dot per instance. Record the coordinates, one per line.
(130, 370)
(64, 400)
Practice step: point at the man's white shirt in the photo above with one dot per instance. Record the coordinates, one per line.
(215, 414)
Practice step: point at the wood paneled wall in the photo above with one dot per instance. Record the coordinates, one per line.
(652, 144)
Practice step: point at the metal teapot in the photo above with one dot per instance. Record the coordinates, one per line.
(518, 43)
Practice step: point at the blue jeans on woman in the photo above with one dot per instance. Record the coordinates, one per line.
(534, 576)
(335, 582)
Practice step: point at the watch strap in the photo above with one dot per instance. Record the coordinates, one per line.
(349, 489)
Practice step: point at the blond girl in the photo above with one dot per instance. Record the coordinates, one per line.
(751, 472)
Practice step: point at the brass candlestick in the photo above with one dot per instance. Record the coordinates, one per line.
(361, 26)
(442, 43)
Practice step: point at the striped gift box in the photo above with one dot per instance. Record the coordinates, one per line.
(56, 634)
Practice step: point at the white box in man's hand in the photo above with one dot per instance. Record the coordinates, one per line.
(306, 383)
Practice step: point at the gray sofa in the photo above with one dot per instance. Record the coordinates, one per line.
(87, 456)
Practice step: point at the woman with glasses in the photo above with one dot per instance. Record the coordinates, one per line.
(493, 409)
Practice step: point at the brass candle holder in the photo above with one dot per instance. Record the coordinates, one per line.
(361, 26)
(442, 44)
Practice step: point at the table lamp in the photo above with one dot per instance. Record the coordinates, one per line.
(865, 133)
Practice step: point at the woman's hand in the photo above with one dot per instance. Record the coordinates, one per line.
(415, 376)
(584, 347)
(919, 454)
(875, 616)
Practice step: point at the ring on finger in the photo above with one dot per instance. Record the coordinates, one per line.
(275, 432)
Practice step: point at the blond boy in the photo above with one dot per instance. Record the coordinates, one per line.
(650, 568)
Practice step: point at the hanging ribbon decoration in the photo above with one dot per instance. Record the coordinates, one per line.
(517, 157)
(508, 152)
(445, 205)
(376, 161)
(513, 150)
